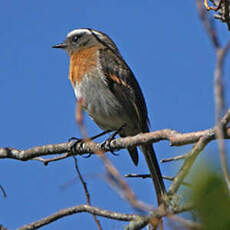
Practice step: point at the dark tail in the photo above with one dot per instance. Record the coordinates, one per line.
(155, 172)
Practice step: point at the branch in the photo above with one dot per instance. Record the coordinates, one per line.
(191, 157)
(175, 138)
(78, 209)
(221, 53)
(137, 221)
(187, 165)
(220, 106)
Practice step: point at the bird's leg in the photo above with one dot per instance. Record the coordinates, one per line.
(108, 141)
(78, 140)
(100, 134)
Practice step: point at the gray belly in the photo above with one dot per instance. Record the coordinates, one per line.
(100, 103)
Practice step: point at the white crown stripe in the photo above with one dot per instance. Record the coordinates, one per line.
(77, 31)
(80, 31)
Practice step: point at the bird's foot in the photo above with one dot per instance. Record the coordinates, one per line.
(73, 146)
(76, 141)
(107, 142)
(100, 134)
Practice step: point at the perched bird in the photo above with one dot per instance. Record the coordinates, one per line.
(109, 92)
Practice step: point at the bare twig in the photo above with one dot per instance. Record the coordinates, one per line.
(207, 25)
(47, 161)
(218, 87)
(176, 158)
(144, 176)
(133, 175)
(220, 105)
(86, 192)
(198, 147)
(79, 209)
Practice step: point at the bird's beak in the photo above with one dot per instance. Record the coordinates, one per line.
(60, 46)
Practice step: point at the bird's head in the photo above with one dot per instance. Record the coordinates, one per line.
(85, 38)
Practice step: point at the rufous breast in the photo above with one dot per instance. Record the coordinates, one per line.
(81, 63)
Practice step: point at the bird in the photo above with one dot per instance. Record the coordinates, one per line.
(110, 93)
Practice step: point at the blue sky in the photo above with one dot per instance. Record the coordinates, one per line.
(167, 48)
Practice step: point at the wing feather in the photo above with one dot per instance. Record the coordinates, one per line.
(124, 85)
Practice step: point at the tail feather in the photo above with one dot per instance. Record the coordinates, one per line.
(155, 172)
(133, 154)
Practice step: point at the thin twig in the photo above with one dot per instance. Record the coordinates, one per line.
(218, 89)
(176, 158)
(86, 192)
(57, 158)
(220, 107)
(133, 175)
(218, 86)
(207, 25)
(178, 180)
(144, 176)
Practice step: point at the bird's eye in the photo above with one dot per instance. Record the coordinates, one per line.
(74, 39)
